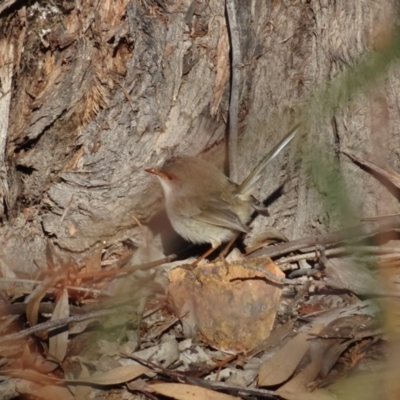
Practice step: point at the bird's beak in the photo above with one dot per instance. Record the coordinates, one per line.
(157, 172)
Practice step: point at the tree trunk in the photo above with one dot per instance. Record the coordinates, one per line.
(103, 89)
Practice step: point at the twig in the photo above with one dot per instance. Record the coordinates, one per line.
(379, 217)
(235, 87)
(390, 175)
(339, 251)
(20, 308)
(55, 324)
(50, 290)
(128, 97)
(240, 390)
(366, 229)
(133, 268)
(67, 208)
(181, 376)
(271, 277)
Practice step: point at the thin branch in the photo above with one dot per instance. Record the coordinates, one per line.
(341, 251)
(55, 324)
(128, 270)
(366, 229)
(31, 282)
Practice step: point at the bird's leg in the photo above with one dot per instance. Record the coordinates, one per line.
(203, 256)
(212, 249)
(193, 265)
(224, 252)
(226, 249)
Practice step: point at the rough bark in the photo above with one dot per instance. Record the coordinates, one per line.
(103, 89)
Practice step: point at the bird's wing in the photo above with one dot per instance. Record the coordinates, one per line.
(217, 212)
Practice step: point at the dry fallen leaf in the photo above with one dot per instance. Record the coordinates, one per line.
(58, 338)
(82, 391)
(30, 375)
(344, 273)
(114, 376)
(318, 394)
(93, 260)
(184, 392)
(281, 366)
(336, 337)
(34, 299)
(32, 308)
(52, 392)
(163, 354)
(297, 388)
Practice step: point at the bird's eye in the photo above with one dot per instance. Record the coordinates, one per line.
(171, 177)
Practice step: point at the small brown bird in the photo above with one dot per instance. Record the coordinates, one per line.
(203, 205)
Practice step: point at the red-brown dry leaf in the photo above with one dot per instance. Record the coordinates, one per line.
(232, 309)
(32, 308)
(53, 262)
(281, 366)
(32, 360)
(185, 392)
(58, 343)
(93, 261)
(309, 309)
(75, 160)
(26, 359)
(337, 336)
(355, 354)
